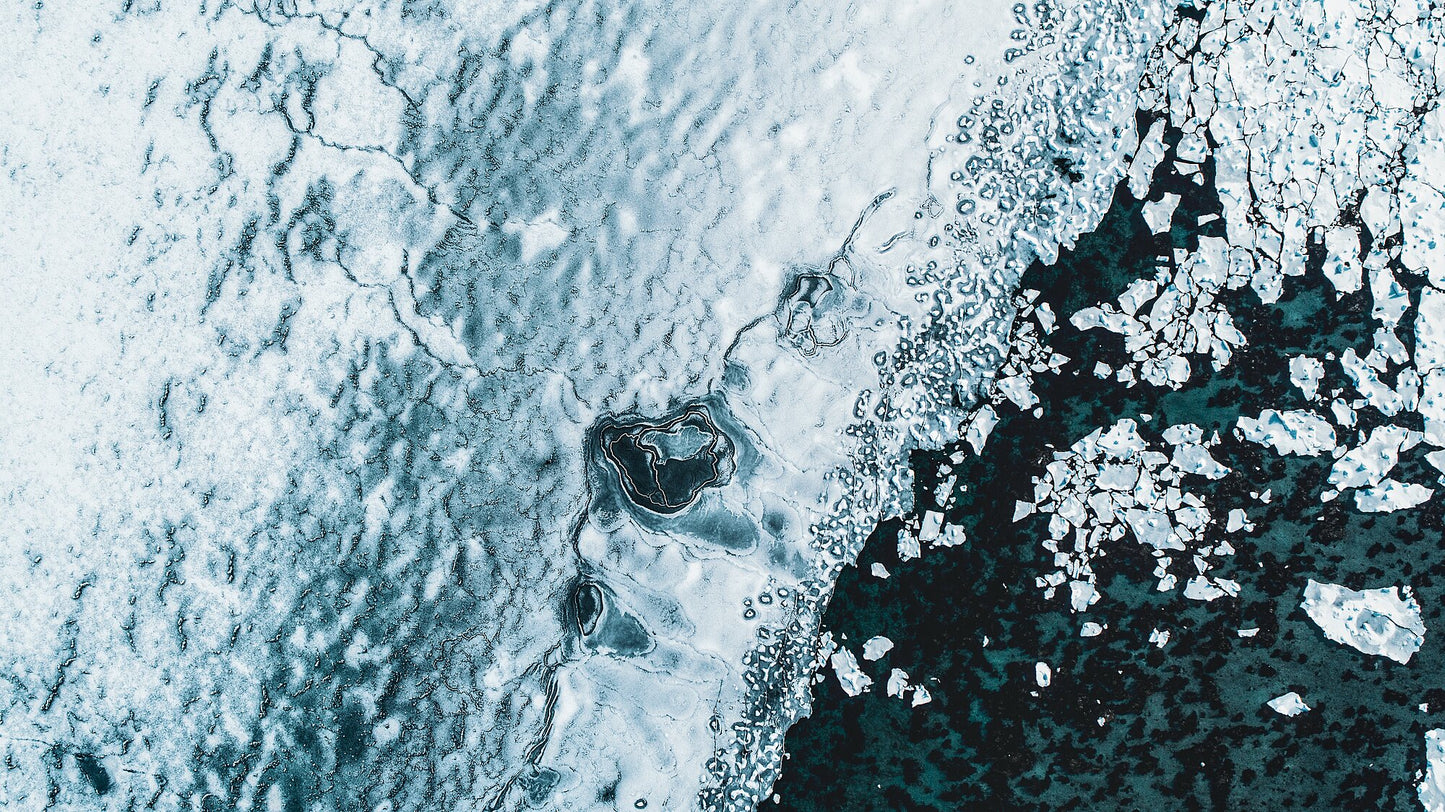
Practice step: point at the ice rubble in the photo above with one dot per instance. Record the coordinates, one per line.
(1110, 484)
(1352, 92)
(1282, 184)
(1372, 621)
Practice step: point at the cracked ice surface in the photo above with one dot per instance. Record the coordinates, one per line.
(351, 344)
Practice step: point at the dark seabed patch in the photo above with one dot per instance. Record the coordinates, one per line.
(1126, 724)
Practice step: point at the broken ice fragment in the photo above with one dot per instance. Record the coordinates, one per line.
(1237, 521)
(1432, 783)
(979, 427)
(1374, 459)
(897, 682)
(1091, 629)
(1373, 621)
(878, 570)
(845, 667)
(932, 521)
(1391, 495)
(1153, 528)
(951, 536)
(1290, 704)
(908, 548)
(876, 647)
(921, 696)
(1293, 432)
(1043, 675)
(1081, 595)
(1306, 373)
(1158, 213)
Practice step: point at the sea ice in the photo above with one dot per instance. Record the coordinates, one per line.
(1432, 782)
(850, 677)
(1373, 621)
(876, 647)
(1290, 704)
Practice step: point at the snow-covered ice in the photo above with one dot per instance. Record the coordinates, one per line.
(1373, 621)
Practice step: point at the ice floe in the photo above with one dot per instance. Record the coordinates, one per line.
(1373, 621)
(876, 647)
(1431, 786)
(850, 676)
(1290, 704)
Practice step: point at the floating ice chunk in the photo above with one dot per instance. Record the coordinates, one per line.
(1432, 783)
(1373, 621)
(850, 677)
(1248, 632)
(1342, 263)
(1158, 213)
(897, 682)
(1368, 383)
(1016, 388)
(1430, 331)
(1290, 704)
(1237, 521)
(1153, 528)
(1201, 588)
(1193, 458)
(952, 536)
(921, 696)
(1437, 460)
(908, 548)
(1392, 495)
(1372, 460)
(1117, 477)
(979, 427)
(1306, 373)
(1043, 675)
(1432, 406)
(1159, 637)
(876, 647)
(879, 571)
(1091, 629)
(1146, 160)
(932, 521)
(1293, 432)
(1344, 414)
(1183, 433)
(1082, 595)
(1022, 509)
(1122, 440)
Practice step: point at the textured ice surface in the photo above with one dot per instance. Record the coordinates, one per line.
(471, 405)
(1373, 621)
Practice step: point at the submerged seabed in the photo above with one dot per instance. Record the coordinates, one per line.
(427, 407)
